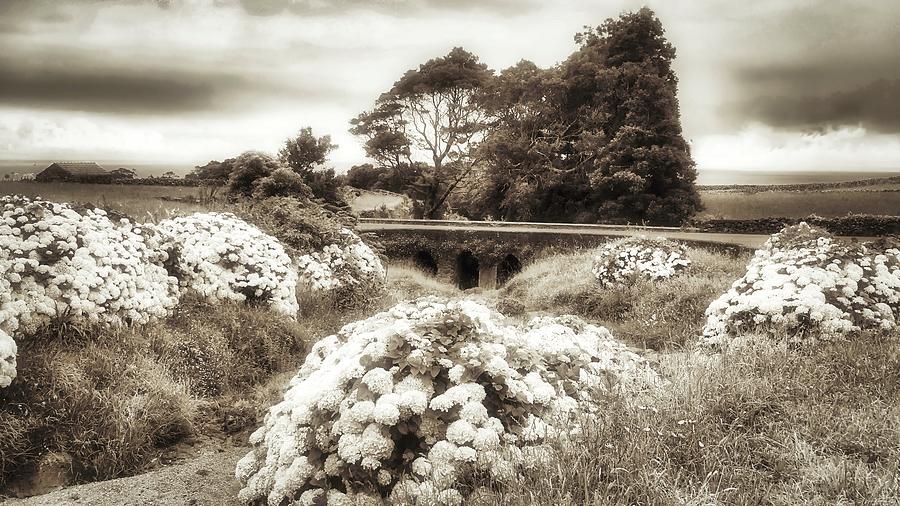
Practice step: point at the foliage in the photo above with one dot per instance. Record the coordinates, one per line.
(803, 286)
(282, 182)
(247, 169)
(397, 179)
(306, 155)
(222, 257)
(596, 138)
(432, 111)
(301, 225)
(305, 152)
(213, 170)
(411, 403)
(623, 261)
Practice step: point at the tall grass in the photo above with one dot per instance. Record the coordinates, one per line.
(755, 426)
(114, 398)
(660, 315)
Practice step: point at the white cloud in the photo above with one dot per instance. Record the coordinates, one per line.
(758, 146)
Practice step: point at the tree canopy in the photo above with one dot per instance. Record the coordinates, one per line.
(596, 138)
(431, 115)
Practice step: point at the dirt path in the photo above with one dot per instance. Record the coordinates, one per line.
(203, 475)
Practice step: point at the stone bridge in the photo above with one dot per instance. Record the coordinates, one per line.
(487, 254)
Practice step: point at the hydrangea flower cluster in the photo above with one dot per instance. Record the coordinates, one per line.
(8, 353)
(222, 257)
(804, 286)
(348, 263)
(59, 263)
(619, 262)
(406, 404)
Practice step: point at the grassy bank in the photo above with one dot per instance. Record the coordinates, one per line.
(658, 315)
(114, 399)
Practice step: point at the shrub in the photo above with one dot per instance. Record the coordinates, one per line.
(442, 392)
(300, 225)
(247, 169)
(282, 182)
(63, 264)
(622, 261)
(347, 268)
(223, 257)
(805, 286)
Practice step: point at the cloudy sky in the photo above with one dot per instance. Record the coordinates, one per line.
(766, 85)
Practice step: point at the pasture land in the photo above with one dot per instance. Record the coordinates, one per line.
(139, 201)
(798, 204)
(146, 202)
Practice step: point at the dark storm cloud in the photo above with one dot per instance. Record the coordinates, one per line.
(86, 86)
(875, 106)
(102, 90)
(820, 65)
(397, 7)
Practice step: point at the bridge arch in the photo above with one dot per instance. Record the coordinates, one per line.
(425, 261)
(467, 270)
(509, 266)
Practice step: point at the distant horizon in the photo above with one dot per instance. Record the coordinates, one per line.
(704, 176)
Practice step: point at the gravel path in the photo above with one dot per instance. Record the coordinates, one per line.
(204, 476)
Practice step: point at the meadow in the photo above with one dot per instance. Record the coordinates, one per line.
(142, 202)
(799, 204)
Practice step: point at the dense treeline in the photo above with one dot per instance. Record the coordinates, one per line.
(595, 138)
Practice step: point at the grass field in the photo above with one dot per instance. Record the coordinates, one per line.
(739, 205)
(140, 201)
(143, 202)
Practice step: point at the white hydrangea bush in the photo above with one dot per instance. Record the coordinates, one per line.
(8, 353)
(404, 405)
(621, 261)
(348, 264)
(59, 263)
(222, 257)
(804, 286)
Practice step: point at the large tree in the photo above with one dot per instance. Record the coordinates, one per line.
(623, 87)
(305, 152)
(596, 138)
(431, 115)
(307, 155)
